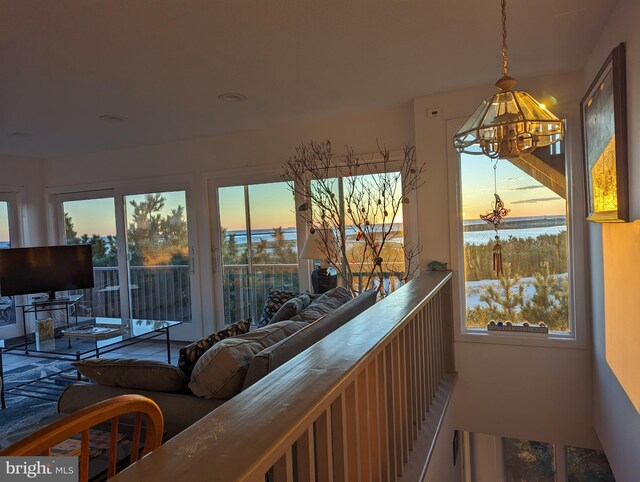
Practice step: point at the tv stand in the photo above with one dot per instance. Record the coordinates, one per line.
(60, 303)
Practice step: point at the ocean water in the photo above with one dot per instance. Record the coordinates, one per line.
(289, 234)
(482, 237)
(554, 225)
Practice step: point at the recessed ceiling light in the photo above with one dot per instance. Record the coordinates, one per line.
(112, 118)
(232, 97)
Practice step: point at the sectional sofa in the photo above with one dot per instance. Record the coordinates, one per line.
(228, 367)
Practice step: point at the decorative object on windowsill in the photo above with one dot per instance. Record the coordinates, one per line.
(323, 277)
(509, 123)
(604, 130)
(437, 266)
(360, 201)
(524, 328)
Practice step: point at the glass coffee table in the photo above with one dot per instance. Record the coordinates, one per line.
(75, 347)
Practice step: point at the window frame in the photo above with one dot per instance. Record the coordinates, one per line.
(577, 336)
(273, 173)
(118, 190)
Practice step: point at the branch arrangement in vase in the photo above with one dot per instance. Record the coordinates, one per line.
(355, 206)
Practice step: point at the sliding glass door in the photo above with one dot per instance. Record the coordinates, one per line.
(158, 256)
(142, 255)
(93, 221)
(259, 249)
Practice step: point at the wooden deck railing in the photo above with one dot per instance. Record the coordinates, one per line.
(356, 406)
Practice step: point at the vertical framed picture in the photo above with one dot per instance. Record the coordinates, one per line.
(604, 135)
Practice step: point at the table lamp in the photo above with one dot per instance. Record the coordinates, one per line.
(321, 279)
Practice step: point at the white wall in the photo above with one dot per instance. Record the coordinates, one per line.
(615, 419)
(532, 392)
(23, 176)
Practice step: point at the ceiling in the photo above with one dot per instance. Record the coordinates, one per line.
(163, 63)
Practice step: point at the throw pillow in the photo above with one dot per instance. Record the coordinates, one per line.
(220, 372)
(274, 301)
(136, 374)
(190, 354)
(291, 308)
(325, 304)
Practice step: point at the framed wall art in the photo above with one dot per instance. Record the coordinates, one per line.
(604, 136)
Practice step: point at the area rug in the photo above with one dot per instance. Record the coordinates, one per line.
(24, 414)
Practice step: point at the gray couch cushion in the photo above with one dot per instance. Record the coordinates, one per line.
(326, 303)
(180, 410)
(276, 355)
(220, 372)
(131, 373)
(291, 308)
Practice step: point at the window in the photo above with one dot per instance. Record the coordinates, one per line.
(514, 460)
(365, 215)
(528, 461)
(7, 303)
(259, 247)
(141, 252)
(158, 256)
(534, 286)
(586, 465)
(93, 221)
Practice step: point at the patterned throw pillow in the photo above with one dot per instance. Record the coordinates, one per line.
(190, 354)
(274, 301)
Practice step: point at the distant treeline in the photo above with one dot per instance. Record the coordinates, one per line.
(523, 254)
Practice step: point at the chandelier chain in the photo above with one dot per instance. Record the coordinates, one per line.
(505, 61)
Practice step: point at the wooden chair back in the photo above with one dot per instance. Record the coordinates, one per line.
(41, 441)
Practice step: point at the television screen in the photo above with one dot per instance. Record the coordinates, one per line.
(25, 271)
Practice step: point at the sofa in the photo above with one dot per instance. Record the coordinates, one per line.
(215, 380)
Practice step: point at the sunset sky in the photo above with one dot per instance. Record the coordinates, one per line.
(520, 192)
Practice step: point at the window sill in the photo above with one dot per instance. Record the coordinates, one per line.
(550, 340)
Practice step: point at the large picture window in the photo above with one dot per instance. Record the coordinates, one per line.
(534, 285)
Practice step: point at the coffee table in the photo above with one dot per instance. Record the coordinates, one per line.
(76, 348)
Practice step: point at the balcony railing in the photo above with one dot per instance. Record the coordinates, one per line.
(163, 292)
(245, 292)
(156, 292)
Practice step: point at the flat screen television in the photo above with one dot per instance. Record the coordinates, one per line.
(25, 271)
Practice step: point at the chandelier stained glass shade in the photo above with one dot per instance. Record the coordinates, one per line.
(509, 123)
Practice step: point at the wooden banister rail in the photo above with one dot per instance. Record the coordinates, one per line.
(351, 408)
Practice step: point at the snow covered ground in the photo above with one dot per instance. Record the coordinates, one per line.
(475, 288)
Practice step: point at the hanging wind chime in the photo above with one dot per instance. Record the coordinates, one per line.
(496, 218)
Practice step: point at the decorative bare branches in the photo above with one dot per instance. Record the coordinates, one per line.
(355, 205)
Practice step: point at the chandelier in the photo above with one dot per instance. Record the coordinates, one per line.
(509, 123)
